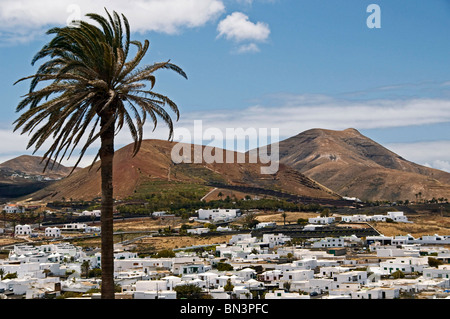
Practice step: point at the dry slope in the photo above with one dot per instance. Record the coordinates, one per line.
(351, 164)
(154, 163)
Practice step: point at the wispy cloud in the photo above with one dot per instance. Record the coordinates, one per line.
(292, 114)
(248, 48)
(434, 154)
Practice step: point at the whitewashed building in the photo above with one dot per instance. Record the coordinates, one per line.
(52, 232)
(443, 271)
(216, 214)
(321, 220)
(74, 226)
(92, 213)
(281, 294)
(13, 208)
(397, 217)
(198, 230)
(329, 242)
(22, 230)
(266, 225)
(404, 264)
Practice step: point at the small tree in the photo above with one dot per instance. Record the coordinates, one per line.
(325, 212)
(10, 275)
(188, 291)
(229, 286)
(284, 215)
(434, 262)
(85, 268)
(224, 267)
(398, 274)
(165, 253)
(250, 220)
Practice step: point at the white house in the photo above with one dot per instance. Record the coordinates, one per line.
(443, 271)
(275, 239)
(376, 293)
(298, 275)
(52, 232)
(378, 218)
(186, 269)
(281, 294)
(329, 242)
(397, 217)
(74, 226)
(403, 264)
(321, 220)
(359, 277)
(214, 214)
(354, 218)
(92, 229)
(266, 225)
(159, 214)
(13, 208)
(93, 213)
(22, 230)
(198, 231)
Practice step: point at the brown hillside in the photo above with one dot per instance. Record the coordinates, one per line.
(33, 165)
(154, 163)
(353, 165)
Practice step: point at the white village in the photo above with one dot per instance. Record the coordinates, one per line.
(268, 262)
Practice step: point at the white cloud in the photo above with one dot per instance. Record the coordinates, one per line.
(239, 28)
(248, 48)
(292, 114)
(435, 154)
(20, 17)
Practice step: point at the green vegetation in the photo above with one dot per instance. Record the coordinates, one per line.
(434, 262)
(165, 253)
(224, 267)
(183, 199)
(188, 291)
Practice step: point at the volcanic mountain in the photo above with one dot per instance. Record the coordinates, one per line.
(24, 174)
(353, 165)
(153, 166)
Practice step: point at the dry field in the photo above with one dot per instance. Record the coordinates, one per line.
(291, 217)
(8, 240)
(174, 242)
(422, 225)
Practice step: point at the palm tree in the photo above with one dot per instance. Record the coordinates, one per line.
(284, 215)
(94, 90)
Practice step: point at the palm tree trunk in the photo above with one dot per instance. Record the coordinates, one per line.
(107, 246)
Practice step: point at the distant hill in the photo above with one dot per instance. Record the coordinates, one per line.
(353, 165)
(33, 166)
(24, 174)
(153, 165)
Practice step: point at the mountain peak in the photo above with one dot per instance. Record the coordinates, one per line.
(353, 165)
(352, 130)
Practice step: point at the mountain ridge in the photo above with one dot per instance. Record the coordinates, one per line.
(354, 165)
(153, 164)
(318, 163)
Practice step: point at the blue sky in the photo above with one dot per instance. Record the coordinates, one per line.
(289, 64)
